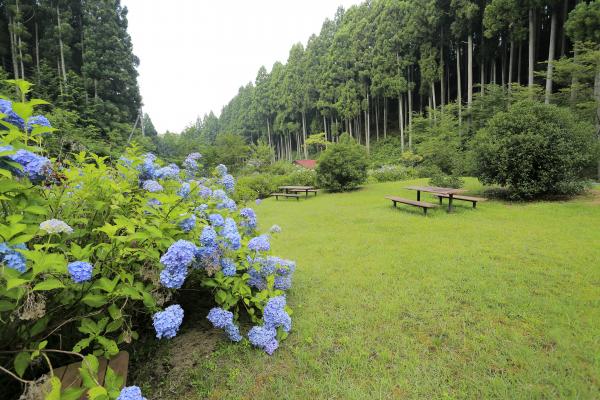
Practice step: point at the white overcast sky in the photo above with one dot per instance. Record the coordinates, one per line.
(195, 54)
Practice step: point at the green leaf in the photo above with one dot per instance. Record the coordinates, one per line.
(55, 392)
(114, 325)
(38, 210)
(112, 381)
(82, 344)
(6, 305)
(21, 362)
(95, 300)
(97, 393)
(15, 282)
(88, 326)
(105, 284)
(49, 285)
(221, 296)
(109, 345)
(114, 311)
(72, 394)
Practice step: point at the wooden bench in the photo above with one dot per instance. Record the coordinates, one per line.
(423, 204)
(473, 200)
(70, 378)
(307, 191)
(287, 195)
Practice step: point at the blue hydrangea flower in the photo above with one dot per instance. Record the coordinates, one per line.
(259, 243)
(38, 120)
(12, 258)
(228, 204)
(282, 282)
(36, 167)
(166, 323)
(228, 182)
(191, 162)
(131, 393)
(207, 257)
(11, 117)
(80, 271)
(152, 186)
(264, 338)
(219, 317)
(233, 333)
(188, 224)
(249, 218)
(219, 195)
(171, 171)
(154, 203)
(148, 167)
(173, 278)
(275, 315)
(256, 279)
(258, 201)
(221, 170)
(184, 190)
(55, 226)
(216, 220)
(202, 209)
(180, 253)
(208, 238)
(231, 234)
(275, 229)
(228, 267)
(205, 192)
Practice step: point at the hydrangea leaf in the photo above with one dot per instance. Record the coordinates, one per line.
(21, 362)
(49, 284)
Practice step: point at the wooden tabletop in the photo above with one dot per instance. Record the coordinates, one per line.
(435, 189)
(297, 187)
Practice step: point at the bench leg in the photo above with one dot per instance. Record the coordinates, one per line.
(425, 211)
(450, 204)
(440, 200)
(418, 195)
(474, 204)
(394, 204)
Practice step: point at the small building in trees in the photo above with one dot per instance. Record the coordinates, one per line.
(308, 164)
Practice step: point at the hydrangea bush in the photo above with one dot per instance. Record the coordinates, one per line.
(90, 251)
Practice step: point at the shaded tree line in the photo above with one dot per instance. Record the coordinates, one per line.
(79, 56)
(376, 66)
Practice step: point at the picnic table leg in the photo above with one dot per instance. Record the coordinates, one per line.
(450, 203)
(306, 193)
(418, 195)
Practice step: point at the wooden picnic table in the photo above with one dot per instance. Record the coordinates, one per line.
(297, 189)
(450, 192)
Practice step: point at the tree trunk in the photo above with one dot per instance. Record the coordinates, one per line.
(37, 54)
(519, 65)
(574, 80)
(60, 46)
(531, 48)
(384, 117)
(269, 131)
(433, 95)
(551, 56)
(304, 134)
(401, 119)
(325, 126)
(597, 97)
(503, 65)
(410, 111)
(510, 63)
(13, 47)
(563, 36)
(442, 89)
(470, 70)
(377, 118)
(458, 86)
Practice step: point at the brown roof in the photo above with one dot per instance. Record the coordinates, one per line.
(310, 164)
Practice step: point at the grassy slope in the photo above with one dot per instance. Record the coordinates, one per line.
(498, 302)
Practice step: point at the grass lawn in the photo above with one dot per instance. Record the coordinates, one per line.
(498, 302)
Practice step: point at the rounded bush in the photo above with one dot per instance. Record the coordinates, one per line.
(343, 166)
(534, 149)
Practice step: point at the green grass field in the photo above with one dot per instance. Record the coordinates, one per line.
(498, 302)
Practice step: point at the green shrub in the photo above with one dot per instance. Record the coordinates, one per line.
(258, 186)
(388, 151)
(448, 181)
(391, 173)
(343, 166)
(534, 149)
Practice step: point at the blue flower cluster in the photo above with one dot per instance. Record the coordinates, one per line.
(12, 258)
(166, 323)
(38, 120)
(249, 219)
(80, 271)
(223, 319)
(264, 338)
(228, 267)
(184, 190)
(274, 316)
(131, 393)
(228, 182)
(188, 224)
(152, 186)
(171, 171)
(176, 260)
(275, 229)
(191, 162)
(216, 220)
(221, 170)
(205, 192)
(208, 238)
(262, 268)
(148, 167)
(35, 167)
(11, 117)
(259, 243)
(231, 234)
